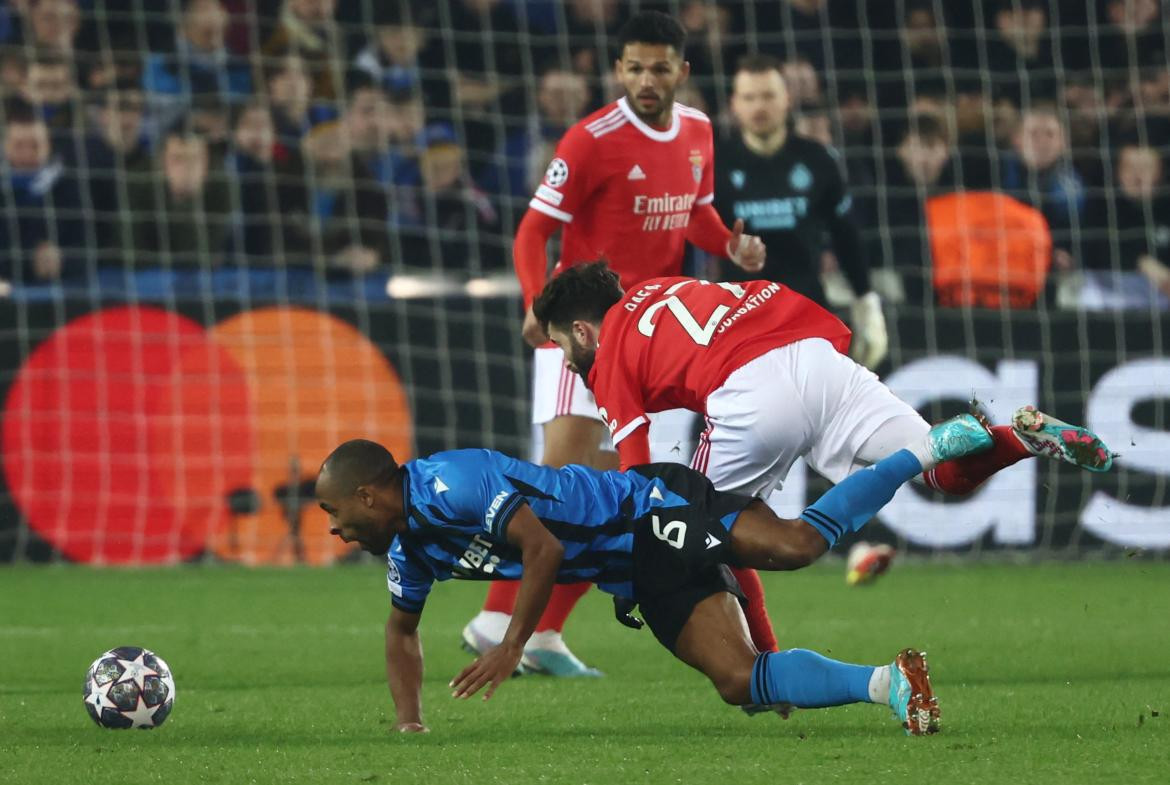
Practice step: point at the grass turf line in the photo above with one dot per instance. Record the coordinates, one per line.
(1045, 674)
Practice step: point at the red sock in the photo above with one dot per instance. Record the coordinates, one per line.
(963, 475)
(560, 605)
(759, 625)
(501, 596)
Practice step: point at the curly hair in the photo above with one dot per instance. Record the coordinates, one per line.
(652, 27)
(584, 291)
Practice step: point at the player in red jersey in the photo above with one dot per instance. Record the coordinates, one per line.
(768, 369)
(632, 182)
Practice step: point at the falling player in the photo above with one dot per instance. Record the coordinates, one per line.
(633, 182)
(766, 366)
(658, 536)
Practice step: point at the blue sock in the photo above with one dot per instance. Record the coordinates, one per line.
(808, 680)
(849, 504)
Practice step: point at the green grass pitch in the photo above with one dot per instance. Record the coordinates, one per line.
(1051, 673)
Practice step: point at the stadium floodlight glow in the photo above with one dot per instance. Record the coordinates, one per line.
(408, 287)
(493, 286)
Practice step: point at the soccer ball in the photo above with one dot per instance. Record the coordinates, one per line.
(129, 687)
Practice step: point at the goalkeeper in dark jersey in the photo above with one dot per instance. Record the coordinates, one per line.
(658, 536)
(790, 191)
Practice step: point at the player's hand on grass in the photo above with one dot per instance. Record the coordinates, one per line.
(746, 250)
(491, 670)
(533, 333)
(411, 727)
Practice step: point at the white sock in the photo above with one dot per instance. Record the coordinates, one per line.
(921, 450)
(548, 640)
(879, 685)
(492, 624)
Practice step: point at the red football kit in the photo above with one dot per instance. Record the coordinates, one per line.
(626, 191)
(671, 342)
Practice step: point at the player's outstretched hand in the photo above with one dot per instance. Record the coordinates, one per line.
(492, 669)
(411, 727)
(533, 333)
(746, 250)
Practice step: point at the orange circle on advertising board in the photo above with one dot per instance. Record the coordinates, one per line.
(314, 381)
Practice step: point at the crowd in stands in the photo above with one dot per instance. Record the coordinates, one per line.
(377, 136)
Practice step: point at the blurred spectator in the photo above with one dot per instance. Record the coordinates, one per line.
(289, 93)
(1039, 173)
(579, 41)
(819, 31)
(210, 117)
(452, 218)
(802, 82)
(861, 150)
(270, 204)
(489, 69)
(709, 49)
(406, 120)
(199, 62)
(114, 154)
(1084, 105)
(1135, 35)
(50, 88)
(307, 28)
(181, 211)
(1019, 45)
(1130, 232)
(12, 21)
(397, 56)
(367, 125)
(812, 121)
(348, 207)
(489, 89)
(53, 26)
(919, 48)
(974, 127)
(921, 166)
(44, 235)
(13, 70)
(1143, 104)
(561, 99)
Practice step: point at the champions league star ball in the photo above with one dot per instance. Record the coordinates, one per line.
(129, 687)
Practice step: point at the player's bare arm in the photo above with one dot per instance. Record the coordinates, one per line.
(404, 670)
(541, 553)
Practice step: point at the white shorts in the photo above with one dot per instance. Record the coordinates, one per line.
(804, 399)
(557, 391)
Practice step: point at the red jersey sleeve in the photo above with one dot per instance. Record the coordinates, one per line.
(529, 253)
(623, 410)
(568, 181)
(634, 450)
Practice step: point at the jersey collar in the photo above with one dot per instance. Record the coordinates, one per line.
(667, 135)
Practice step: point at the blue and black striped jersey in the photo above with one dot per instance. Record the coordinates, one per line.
(459, 504)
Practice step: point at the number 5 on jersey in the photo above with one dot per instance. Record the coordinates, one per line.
(672, 533)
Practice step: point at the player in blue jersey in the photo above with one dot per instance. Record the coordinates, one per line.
(658, 535)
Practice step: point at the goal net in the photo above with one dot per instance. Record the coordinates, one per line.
(234, 234)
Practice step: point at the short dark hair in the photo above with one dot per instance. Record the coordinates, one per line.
(926, 127)
(582, 292)
(758, 64)
(652, 27)
(360, 462)
(18, 111)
